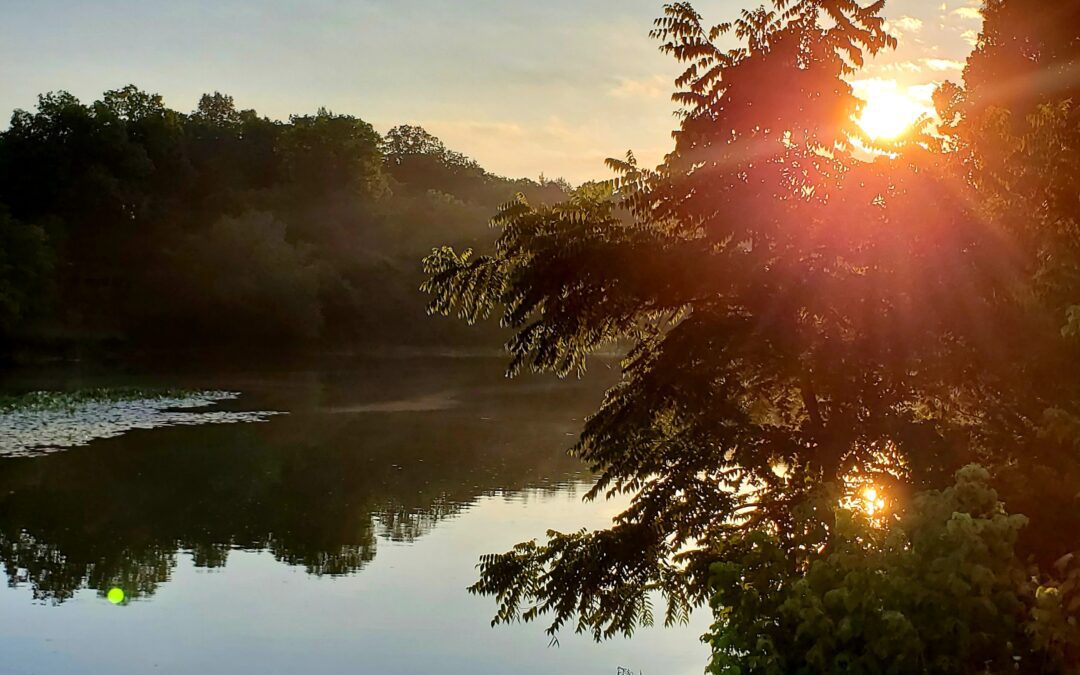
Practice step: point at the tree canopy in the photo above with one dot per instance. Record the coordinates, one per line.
(800, 321)
(126, 225)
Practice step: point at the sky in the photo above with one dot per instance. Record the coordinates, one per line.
(526, 87)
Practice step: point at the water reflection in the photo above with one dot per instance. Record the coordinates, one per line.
(375, 450)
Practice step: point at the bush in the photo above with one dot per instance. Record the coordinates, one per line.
(938, 589)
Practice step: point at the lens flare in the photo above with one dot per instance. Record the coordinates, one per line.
(873, 502)
(891, 109)
(888, 115)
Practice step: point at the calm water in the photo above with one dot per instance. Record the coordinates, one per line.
(337, 538)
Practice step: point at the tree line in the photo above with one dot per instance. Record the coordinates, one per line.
(847, 378)
(125, 225)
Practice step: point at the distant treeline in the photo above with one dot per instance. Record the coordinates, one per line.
(127, 226)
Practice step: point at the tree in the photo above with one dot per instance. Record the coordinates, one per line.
(406, 142)
(1025, 56)
(240, 280)
(26, 261)
(125, 193)
(798, 318)
(130, 103)
(417, 158)
(326, 151)
(1012, 137)
(217, 110)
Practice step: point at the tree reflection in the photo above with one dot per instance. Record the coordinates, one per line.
(315, 489)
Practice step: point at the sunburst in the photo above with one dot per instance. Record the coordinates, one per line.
(889, 111)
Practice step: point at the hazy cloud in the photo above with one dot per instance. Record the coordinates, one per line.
(656, 86)
(968, 13)
(941, 65)
(908, 24)
(924, 93)
(897, 67)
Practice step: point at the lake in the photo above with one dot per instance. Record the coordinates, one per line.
(339, 537)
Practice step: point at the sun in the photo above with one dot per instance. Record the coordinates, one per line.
(872, 501)
(889, 112)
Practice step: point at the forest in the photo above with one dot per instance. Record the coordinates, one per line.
(128, 227)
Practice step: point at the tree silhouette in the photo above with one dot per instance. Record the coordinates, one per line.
(122, 228)
(799, 317)
(1012, 139)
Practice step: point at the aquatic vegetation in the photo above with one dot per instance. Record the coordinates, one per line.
(41, 422)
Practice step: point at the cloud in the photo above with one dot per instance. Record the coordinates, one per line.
(968, 13)
(971, 37)
(872, 84)
(454, 127)
(940, 65)
(923, 93)
(895, 67)
(572, 149)
(907, 24)
(656, 86)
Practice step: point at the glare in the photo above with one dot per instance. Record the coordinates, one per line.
(872, 501)
(889, 111)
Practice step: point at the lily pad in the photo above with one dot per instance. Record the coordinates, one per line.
(47, 421)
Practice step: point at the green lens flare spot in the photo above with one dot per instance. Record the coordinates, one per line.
(116, 595)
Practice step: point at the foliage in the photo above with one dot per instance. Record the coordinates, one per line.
(125, 220)
(773, 312)
(328, 151)
(939, 588)
(25, 269)
(798, 317)
(241, 277)
(1012, 134)
(407, 143)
